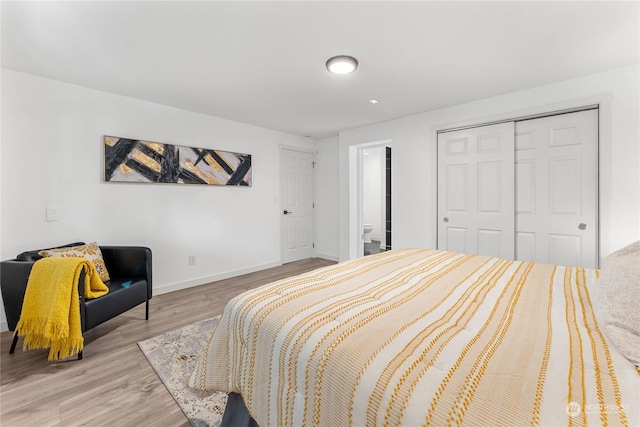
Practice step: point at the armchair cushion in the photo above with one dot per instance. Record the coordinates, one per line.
(123, 295)
(90, 252)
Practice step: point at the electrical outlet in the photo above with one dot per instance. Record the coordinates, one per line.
(192, 259)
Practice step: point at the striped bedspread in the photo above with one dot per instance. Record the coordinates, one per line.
(419, 337)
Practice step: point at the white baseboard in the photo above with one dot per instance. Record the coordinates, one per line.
(4, 326)
(328, 257)
(171, 287)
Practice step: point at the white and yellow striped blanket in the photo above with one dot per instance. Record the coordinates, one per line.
(422, 337)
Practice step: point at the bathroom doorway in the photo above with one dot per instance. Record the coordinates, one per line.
(375, 199)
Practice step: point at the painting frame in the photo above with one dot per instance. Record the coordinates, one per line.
(142, 161)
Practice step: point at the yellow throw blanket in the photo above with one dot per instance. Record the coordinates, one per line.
(50, 315)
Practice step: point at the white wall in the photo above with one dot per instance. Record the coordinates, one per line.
(52, 156)
(414, 155)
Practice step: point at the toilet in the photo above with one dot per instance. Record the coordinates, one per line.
(366, 235)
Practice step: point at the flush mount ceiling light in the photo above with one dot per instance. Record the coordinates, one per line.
(342, 64)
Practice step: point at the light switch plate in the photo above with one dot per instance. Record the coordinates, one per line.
(52, 215)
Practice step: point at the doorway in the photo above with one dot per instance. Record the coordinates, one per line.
(371, 217)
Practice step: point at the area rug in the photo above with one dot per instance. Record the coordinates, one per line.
(173, 356)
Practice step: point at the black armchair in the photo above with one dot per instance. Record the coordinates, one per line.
(131, 285)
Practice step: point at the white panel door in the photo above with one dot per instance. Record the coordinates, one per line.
(297, 204)
(557, 189)
(476, 190)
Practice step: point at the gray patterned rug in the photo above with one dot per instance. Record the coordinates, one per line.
(173, 356)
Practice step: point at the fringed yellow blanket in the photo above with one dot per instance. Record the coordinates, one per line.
(50, 315)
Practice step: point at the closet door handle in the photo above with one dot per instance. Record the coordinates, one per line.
(287, 212)
(582, 226)
(446, 219)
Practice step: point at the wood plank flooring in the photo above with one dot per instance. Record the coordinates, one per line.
(114, 385)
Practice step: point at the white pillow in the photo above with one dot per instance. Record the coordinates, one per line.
(616, 301)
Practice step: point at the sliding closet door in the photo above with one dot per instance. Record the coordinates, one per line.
(557, 189)
(476, 190)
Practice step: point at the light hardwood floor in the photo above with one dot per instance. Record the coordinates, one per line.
(114, 385)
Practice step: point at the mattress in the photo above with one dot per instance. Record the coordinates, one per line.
(419, 337)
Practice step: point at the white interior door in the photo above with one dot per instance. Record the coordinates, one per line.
(297, 205)
(557, 189)
(476, 190)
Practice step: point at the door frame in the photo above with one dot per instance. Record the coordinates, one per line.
(281, 206)
(356, 243)
(605, 169)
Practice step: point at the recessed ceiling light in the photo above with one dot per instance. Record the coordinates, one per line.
(342, 64)
(374, 101)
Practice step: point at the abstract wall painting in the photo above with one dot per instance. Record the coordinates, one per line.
(132, 160)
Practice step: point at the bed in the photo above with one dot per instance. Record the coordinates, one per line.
(420, 337)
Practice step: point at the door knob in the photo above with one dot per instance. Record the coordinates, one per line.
(582, 226)
(287, 212)
(446, 219)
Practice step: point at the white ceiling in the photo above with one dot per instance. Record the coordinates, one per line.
(263, 63)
